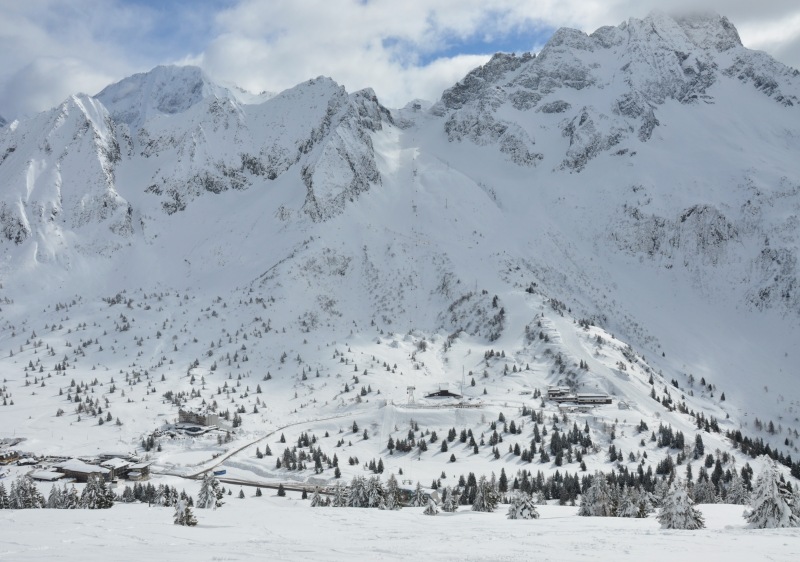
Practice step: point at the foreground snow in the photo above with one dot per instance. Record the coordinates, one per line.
(288, 529)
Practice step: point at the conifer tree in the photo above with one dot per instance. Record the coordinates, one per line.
(704, 491)
(771, 501)
(737, 492)
(419, 499)
(450, 500)
(72, 500)
(54, 500)
(24, 494)
(316, 499)
(357, 496)
(597, 500)
(628, 505)
(645, 502)
(486, 496)
(339, 495)
(211, 493)
(95, 495)
(128, 495)
(393, 498)
(432, 508)
(376, 495)
(678, 511)
(522, 506)
(183, 514)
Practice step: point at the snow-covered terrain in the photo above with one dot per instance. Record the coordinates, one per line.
(617, 214)
(286, 529)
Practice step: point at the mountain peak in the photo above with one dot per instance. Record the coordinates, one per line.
(163, 90)
(710, 31)
(706, 30)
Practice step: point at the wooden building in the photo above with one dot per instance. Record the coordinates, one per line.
(139, 471)
(82, 471)
(119, 467)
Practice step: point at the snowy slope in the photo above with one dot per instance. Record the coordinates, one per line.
(619, 209)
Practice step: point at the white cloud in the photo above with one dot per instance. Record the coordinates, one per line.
(50, 48)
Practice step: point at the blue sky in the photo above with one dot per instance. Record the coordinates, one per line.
(50, 49)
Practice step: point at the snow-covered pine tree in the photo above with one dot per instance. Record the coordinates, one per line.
(128, 495)
(95, 494)
(420, 499)
(110, 497)
(628, 502)
(771, 500)
(183, 514)
(393, 499)
(486, 496)
(450, 501)
(644, 501)
(25, 495)
(4, 503)
(54, 500)
(339, 495)
(376, 495)
(597, 500)
(660, 491)
(211, 494)
(737, 492)
(704, 492)
(316, 499)
(678, 511)
(73, 500)
(432, 508)
(522, 506)
(358, 493)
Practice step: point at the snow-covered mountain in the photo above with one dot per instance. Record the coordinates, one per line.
(165, 90)
(618, 213)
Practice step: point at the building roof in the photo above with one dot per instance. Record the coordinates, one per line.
(46, 475)
(75, 465)
(116, 463)
(141, 465)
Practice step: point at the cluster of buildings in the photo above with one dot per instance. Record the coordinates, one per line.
(109, 468)
(564, 396)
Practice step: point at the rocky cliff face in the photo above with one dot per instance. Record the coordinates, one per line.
(607, 86)
(598, 101)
